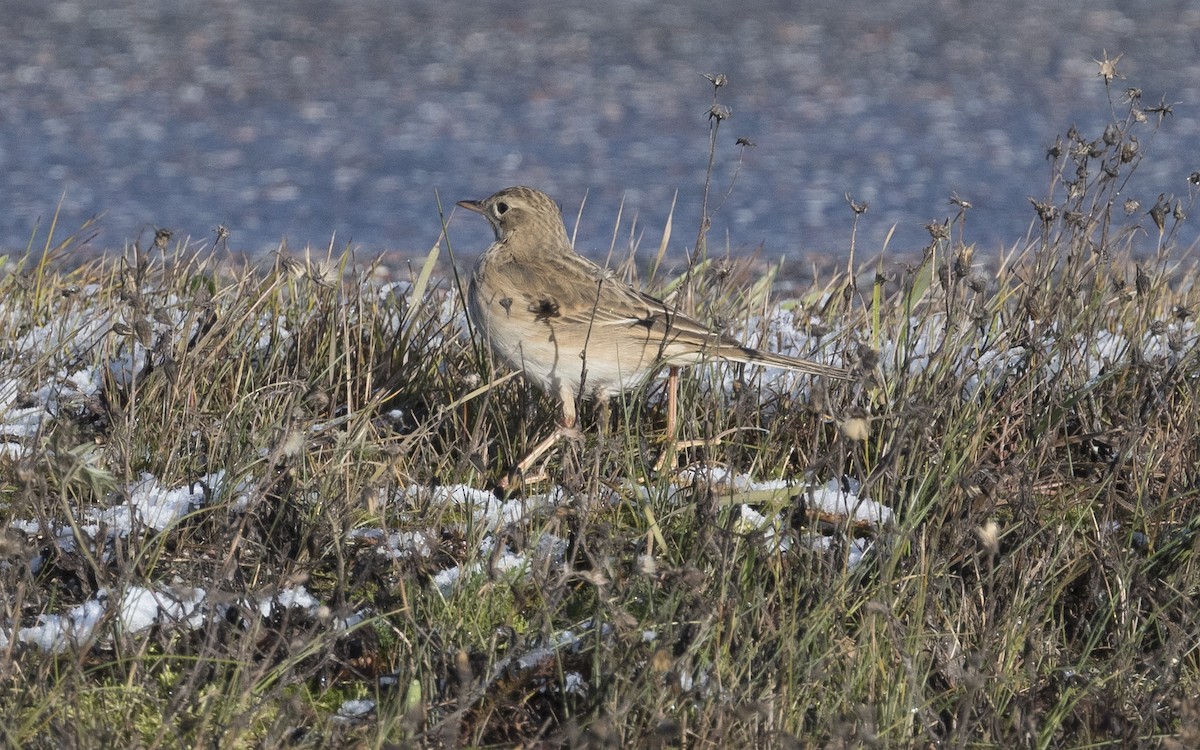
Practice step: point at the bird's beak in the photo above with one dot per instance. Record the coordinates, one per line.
(476, 206)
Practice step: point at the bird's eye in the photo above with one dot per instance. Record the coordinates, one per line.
(501, 208)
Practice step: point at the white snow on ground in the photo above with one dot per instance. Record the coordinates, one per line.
(356, 708)
(828, 498)
(832, 499)
(154, 506)
(986, 363)
(485, 508)
(57, 632)
(141, 608)
(548, 547)
(289, 597)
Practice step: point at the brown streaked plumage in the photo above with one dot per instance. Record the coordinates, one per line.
(573, 328)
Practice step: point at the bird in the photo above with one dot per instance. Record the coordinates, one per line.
(576, 330)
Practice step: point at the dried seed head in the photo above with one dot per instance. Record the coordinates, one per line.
(316, 399)
(1045, 211)
(646, 565)
(1142, 281)
(1112, 134)
(716, 79)
(856, 428)
(719, 112)
(858, 208)
(962, 261)
(143, 331)
(292, 443)
(1131, 206)
(1129, 149)
(1175, 340)
(1033, 308)
(946, 275)
(1159, 212)
(938, 231)
(989, 537)
(1162, 109)
(868, 358)
(1108, 68)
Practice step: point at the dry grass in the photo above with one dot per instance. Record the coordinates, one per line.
(1033, 427)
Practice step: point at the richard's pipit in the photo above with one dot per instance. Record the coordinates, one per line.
(576, 330)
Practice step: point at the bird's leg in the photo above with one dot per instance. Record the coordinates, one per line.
(603, 416)
(668, 449)
(537, 452)
(672, 406)
(567, 430)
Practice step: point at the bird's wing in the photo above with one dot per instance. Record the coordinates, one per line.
(682, 339)
(607, 304)
(579, 293)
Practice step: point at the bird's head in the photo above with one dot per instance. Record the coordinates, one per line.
(519, 209)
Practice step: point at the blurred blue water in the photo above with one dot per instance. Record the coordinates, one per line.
(305, 120)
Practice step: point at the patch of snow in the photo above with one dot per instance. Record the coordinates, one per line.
(57, 632)
(154, 506)
(833, 500)
(355, 709)
(445, 580)
(140, 608)
(295, 596)
(574, 684)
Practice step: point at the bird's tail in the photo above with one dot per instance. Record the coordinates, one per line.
(754, 356)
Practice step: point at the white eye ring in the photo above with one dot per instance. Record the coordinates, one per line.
(501, 208)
